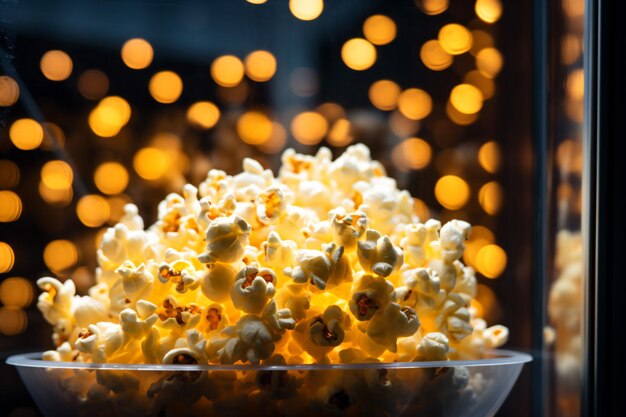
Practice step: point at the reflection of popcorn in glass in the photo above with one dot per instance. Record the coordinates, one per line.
(326, 262)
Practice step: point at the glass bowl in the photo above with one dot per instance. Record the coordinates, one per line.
(452, 388)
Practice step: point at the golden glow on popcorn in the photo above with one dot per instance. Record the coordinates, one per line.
(326, 262)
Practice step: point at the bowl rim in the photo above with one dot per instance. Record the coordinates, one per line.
(495, 357)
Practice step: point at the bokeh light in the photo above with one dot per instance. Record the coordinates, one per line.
(151, 163)
(488, 11)
(309, 127)
(26, 134)
(16, 292)
(489, 61)
(459, 118)
(415, 104)
(480, 236)
(109, 116)
(489, 157)
(13, 321)
(384, 94)
(402, 126)
(137, 53)
(413, 153)
(53, 137)
(432, 7)
(60, 255)
(55, 197)
(10, 206)
(111, 178)
(421, 209)
(491, 261)
(56, 65)
(358, 54)
(490, 197)
(434, 56)
(254, 128)
(277, 140)
(306, 9)
(486, 85)
(260, 65)
(340, 133)
(92, 210)
(575, 84)
(452, 192)
(7, 257)
(9, 91)
(466, 98)
(203, 114)
(116, 207)
(379, 29)
(455, 39)
(227, 70)
(93, 84)
(57, 175)
(166, 87)
(9, 174)
(256, 1)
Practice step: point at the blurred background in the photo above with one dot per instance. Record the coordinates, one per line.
(102, 105)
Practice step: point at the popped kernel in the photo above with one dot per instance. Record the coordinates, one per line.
(325, 262)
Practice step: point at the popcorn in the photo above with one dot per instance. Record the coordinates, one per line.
(378, 255)
(325, 263)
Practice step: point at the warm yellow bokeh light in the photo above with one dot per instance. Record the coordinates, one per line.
(466, 98)
(489, 61)
(571, 48)
(459, 118)
(10, 206)
(480, 41)
(93, 210)
(137, 53)
(9, 174)
(421, 209)
(203, 114)
(413, 153)
(166, 87)
(9, 91)
(379, 29)
(57, 175)
(306, 9)
(490, 197)
(358, 54)
(432, 7)
(93, 84)
(111, 178)
(260, 65)
(434, 56)
(254, 128)
(452, 192)
(479, 237)
(309, 128)
(489, 157)
(60, 255)
(55, 197)
(256, 1)
(26, 134)
(575, 84)
(7, 257)
(277, 141)
(151, 163)
(415, 104)
(56, 65)
(13, 321)
(116, 207)
(455, 39)
(109, 116)
(486, 85)
(491, 261)
(340, 133)
(488, 11)
(384, 94)
(227, 70)
(16, 292)
(53, 137)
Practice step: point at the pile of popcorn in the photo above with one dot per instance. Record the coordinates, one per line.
(326, 263)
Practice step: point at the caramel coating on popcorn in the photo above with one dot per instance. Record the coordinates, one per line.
(325, 263)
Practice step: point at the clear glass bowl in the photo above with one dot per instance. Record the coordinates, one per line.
(452, 388)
